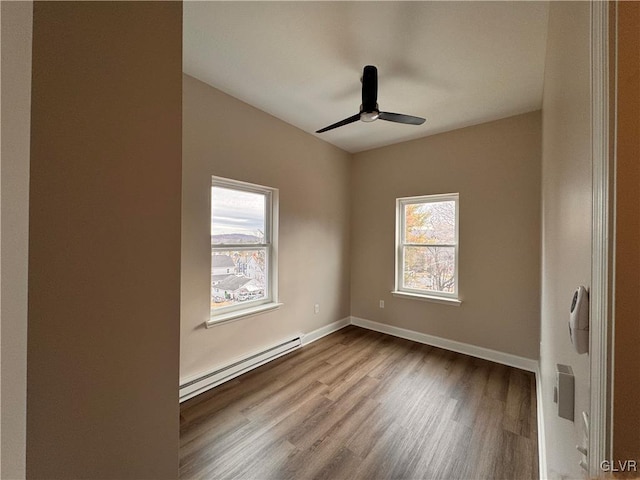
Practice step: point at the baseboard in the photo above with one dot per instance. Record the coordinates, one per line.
(508, 359)
(542, 446)
(204, 381)
(317, 334)
(197, 384)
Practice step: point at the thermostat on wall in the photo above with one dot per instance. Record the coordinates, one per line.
(579, 320)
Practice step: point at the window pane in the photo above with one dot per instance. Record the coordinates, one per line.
(238, 277)
(429, 223)
(237, 216)
(429, 268)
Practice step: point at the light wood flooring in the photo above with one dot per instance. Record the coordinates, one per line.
(363, 405)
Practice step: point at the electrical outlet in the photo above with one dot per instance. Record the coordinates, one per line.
(316, 308)
(381, 303)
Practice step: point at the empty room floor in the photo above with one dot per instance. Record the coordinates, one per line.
(358, 404)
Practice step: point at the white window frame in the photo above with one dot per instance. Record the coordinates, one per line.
(270, 302)
(430, 295)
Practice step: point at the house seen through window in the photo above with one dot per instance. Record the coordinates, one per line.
(243, 232)
(427, 246)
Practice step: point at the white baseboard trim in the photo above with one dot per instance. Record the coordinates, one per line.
(542, 446)
(508, 359)
(317, 334)
(197, 384)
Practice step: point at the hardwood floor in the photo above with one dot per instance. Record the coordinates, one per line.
(359, 404)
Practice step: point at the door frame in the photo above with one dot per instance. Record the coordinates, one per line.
(603, 43)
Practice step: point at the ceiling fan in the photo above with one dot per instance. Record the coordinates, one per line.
(369, 108)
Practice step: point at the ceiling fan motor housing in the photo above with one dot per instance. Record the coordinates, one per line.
(369, 116)
(370, 89)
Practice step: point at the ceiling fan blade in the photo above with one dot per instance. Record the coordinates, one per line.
(346, 121)
(400, 118)
(369, 89)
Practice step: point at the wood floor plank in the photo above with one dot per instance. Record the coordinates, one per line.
(484, 448)
(498, 382)
(339, 465)
(518, 404)
(277, 407)
(388, 449)
(443, 459)
(266, 464)
(471, 395)
(512, 461)
(319, 425)
(194, 447)
(365, 437)
(359, 404)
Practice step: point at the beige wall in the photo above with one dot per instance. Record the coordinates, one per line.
(17, 19)
(104, 246)
(566, 220)
(496, 169)
(225, 137)
(626, 428)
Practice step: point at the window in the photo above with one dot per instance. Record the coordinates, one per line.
(427, 247)
(244, 225)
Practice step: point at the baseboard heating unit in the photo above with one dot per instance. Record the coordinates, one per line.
(203, 382)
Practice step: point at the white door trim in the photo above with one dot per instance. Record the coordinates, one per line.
(601, 338)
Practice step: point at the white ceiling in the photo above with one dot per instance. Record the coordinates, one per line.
(454, 63)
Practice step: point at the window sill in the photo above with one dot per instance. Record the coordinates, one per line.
(428, 298)
(238, 314)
